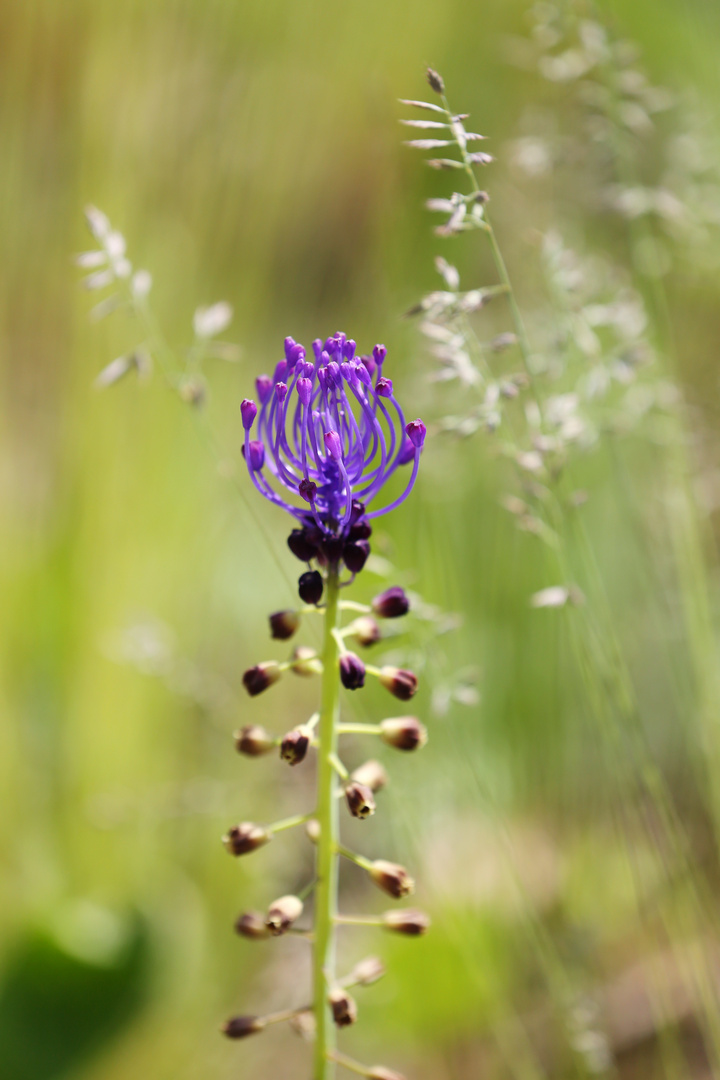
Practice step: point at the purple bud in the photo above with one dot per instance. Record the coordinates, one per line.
(370, 365)
(392, 878)
(406, 454)
(325, 357)
(333, 445)
(307, 489)
(246, 837)
(304, 389)
(281, 391)
(357, 509)
(258, 678)
(384, 387)
(257, 455)
(348, 349)
(360, 801)
(296, 354)
(301, 545)
(416, 432)
(288, 343)
(251, 924)
(317, 347)
(355, 555)
(237, 1027)
(379, 354)
(392, 603)
(361, 530)
(248, 411)
(294, 746)
(253, 741)
(263, 385)
(322, 379)
(403, 732)
(361, 373)
(280, 372)
(408, 921)
(310, 587)
(332, 548)
(283, 624)
(352, 671)
(400, 682)
(333, 374)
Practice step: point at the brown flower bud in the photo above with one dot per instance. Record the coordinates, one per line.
(359, 797)
(372, 774)
(343, 1007)
(312, 830)
(409, 921)
(435, 80)
(252, 925)
(368, 971)
(246, 837)
(352, 671)
(392, 603)
(258, 678)
(305, 661)
(283, 913)
(379, 1072)
(254, 740)
(399, 682)
(303, 1023)
(392, 878)
(237, 1027)
(283, 624)
(294, 746)
(365, 630)
(403, 732)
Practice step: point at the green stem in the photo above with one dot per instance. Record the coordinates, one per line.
(327, 847)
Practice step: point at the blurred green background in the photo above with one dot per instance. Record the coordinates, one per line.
(250, 151)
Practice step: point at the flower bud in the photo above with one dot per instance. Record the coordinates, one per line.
(343, 1007)
(368, 971)
(312, 830)
(359, 797)
(248, 411)
(246, 837)
(365, 630)
(399, 682)
(403, 732)
(301, 545)
(391, 878)
(257, 454)
(371, 774)
(307, 489)
(294, 746)
(333, 445)
(355, 555)
(406, 453)
(392, 603)
(283, 913)
(258, 678)
(410, 922)
(252, 925)
(416, 432)
(436, 81)
(310, 587)
(237, 1027)
(303, 1023)
(283, 624)
(384, 387)
(352, 671)
(379, 1072)
(305, 661)
(254, 740)
(379, 353)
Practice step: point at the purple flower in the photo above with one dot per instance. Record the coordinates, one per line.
(330, 434)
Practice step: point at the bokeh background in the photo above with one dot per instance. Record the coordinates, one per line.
(250, 152)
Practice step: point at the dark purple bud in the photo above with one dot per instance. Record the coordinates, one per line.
(288, 344)
(416, 432)
(332, 549)
(357, 510)
(301, 545)
(322, 379)
(281, 391)
(310, 587)
(370, 365)
(258, 678)
(355, 555)
(403, 732)
(280, 371)
(317, 347)
(307, 490)
(410, 922)
(379, 354)
(251, 924)
(348, 349)
(435, 81)
(253, 741)
(391, 878)
(248, 411)
(296, 354)
(237, 1027)
(403, 684)
(392, 603)
(294, 746)
(257, 454)
(246, 837)
(283, 913)
(352, 671)
(361, 530)
(343, 1007)
(359, 797)
(283, 624)
(304, 389)
(333, 445)
(406, 453)
(384, 387)
(263, 385)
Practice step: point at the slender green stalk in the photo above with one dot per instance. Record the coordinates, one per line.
(327, 847)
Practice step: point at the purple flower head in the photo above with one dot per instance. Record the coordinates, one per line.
(331, 434)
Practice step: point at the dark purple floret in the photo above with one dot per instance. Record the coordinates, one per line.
(352, 671)
(355, 555)
(392, 603)
(310, 587)
(302, 545)
(329, 433)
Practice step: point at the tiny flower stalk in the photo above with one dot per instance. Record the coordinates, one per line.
(321, 443)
